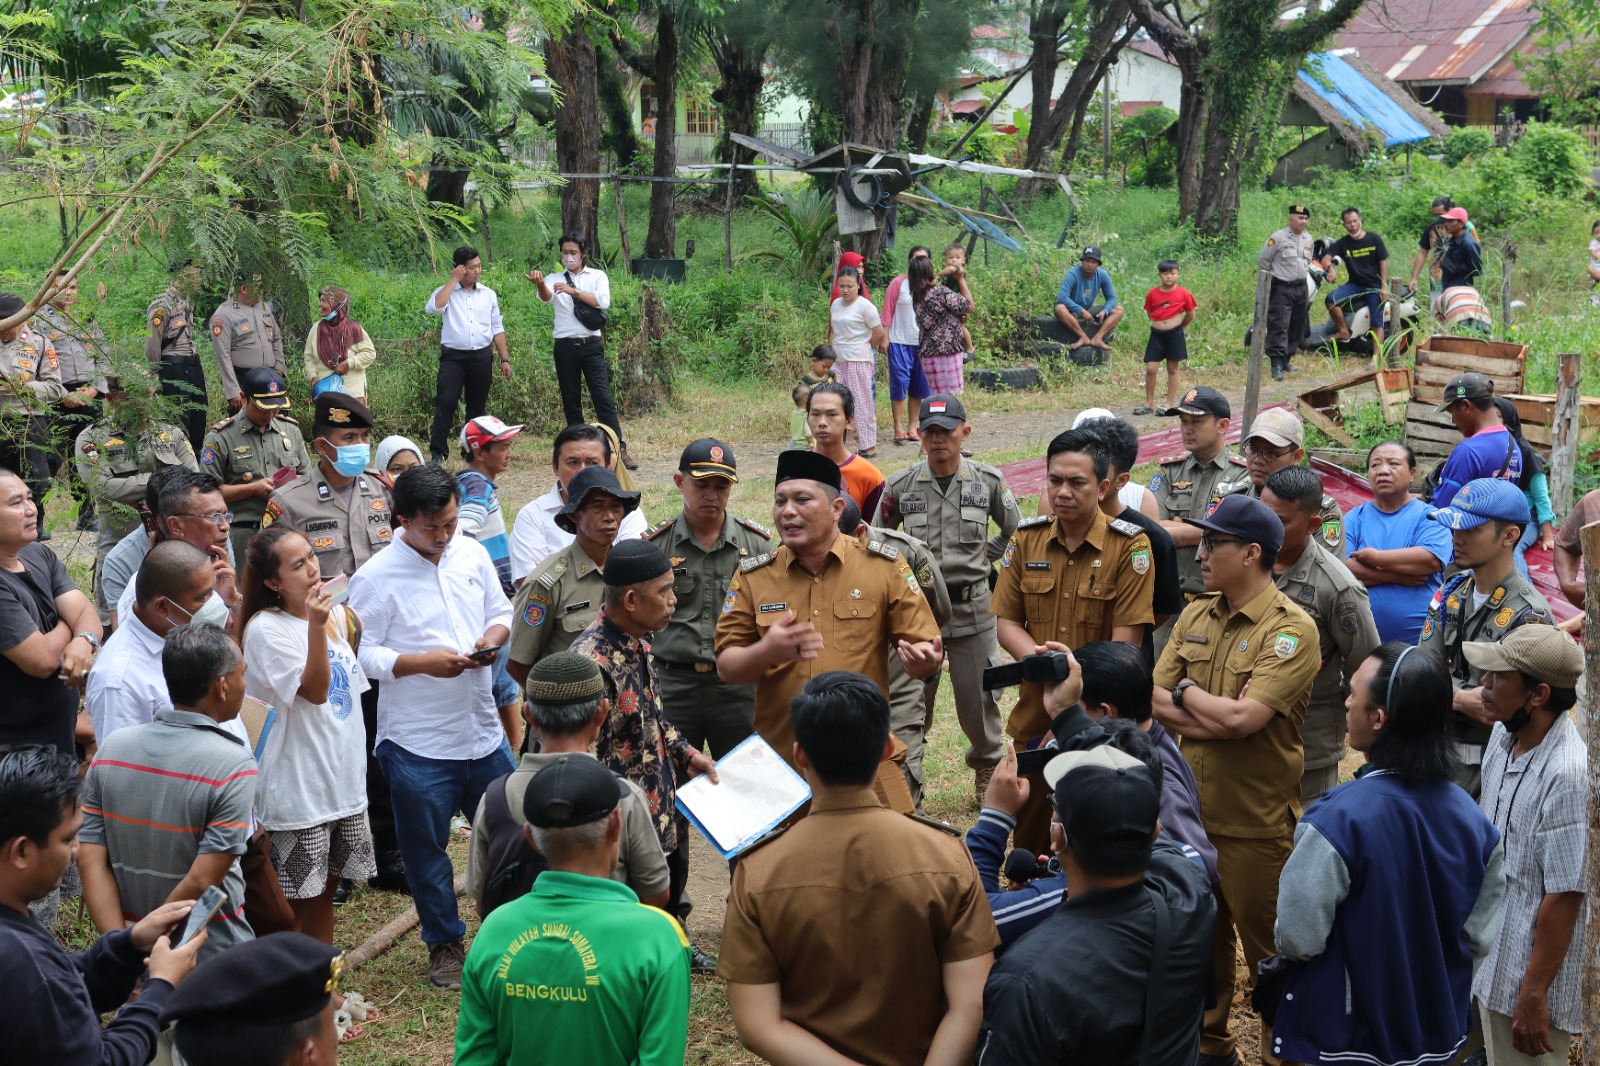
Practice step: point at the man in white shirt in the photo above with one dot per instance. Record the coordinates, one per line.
(580, 354)
(535, 536)
(188, 506)
(434, 618)
(472, 327)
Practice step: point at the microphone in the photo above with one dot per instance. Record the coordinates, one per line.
(1022, 867)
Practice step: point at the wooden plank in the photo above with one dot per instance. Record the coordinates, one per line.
(1422, 431)
(1539, 408)
(1324, 423)
(1444, 342)
(1544, 436)
(1424, 412)
(1443, 375)
(1464, 363)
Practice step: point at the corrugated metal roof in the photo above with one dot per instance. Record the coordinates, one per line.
(1450, 42)
(1361, 103)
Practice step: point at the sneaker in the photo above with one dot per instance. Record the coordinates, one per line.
(628, 460)
(445, 962)
(700, 962)
(341, 892)
(1143, 409)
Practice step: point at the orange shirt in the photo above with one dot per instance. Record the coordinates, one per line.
(864, 483)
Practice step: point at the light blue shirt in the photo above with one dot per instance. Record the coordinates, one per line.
(1078, 292)
(1399, 610)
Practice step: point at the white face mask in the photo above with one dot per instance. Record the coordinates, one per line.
(213, 612)
(572, 262)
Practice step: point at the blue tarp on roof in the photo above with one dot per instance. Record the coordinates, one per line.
(1360, 101)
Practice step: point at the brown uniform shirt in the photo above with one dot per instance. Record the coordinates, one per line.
(801, 903)
(1249, 787)
(1074, 597)
(344, 530)
(863, 599)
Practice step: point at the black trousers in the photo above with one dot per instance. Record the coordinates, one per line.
(678, 902)
(581, 359)
(1288, 316)
(380, 807)
(184, 383)
(25, 450)
(459, 370)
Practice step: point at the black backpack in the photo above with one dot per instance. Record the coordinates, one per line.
(512, 863)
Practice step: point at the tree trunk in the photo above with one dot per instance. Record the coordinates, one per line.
(570, 63)
(619, 138)
(662, 237)
(1106, 38)
(917, 124)
(739, 98)
(1044, 33)
(870, 76)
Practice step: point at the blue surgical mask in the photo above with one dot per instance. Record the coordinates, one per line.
(213, 612)
(331, 315)
(352, 459)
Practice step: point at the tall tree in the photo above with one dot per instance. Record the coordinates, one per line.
(1092, 32)
(570, 65)
(660, 65)
(738, 40)
(1238, 61)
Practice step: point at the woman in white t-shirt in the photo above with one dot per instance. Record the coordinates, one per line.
(300, 660)
(856, 331)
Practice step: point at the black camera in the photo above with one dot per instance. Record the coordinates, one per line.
(1045, 668)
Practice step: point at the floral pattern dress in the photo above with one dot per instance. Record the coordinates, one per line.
(939, 318)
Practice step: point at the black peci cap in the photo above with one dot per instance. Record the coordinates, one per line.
(808, 466)
(632, 561)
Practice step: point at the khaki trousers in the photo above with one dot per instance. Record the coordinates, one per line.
(1247, 909)
(1497, 1041)
(976, 709)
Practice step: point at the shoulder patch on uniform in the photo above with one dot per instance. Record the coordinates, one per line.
(755, 563)
(1237, 460)
(549, 578)
(225, 423)
(273, 512)
(754, 527)
(1029, 523)
(1125, 527)
(660, 527)
(888, 551)
(934, 823)
(283, 417)
(761, 842)
(1169, 459)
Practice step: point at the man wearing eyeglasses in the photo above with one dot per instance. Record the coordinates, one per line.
(1278, 439)
(1234, 683)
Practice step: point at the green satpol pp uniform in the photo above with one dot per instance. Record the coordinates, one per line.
(953, 521)
(910, 709)
(704, 709)
(556, 603)
(1322, 586)
(240, 454)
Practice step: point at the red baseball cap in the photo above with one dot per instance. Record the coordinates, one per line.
(1457, 213)
(486, 429)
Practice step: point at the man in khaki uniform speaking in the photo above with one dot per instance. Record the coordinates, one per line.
(1234, 683)
(247, 450)
(819, 602)
(245, 334)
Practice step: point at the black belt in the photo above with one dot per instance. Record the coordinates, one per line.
(485, 350)
(180, 359)
(578, 340)
(1301, 282)
(965, 593)
(687, 668)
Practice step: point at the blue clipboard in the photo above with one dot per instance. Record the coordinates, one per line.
(778, 767)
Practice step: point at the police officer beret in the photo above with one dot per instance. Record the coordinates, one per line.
(592, 479)
(263, 385)
(335, 410)
(1244, 517)
(808, 466)
(632, 561)
(278, 979)
(573, 790)
(708, 457)
(565, 677)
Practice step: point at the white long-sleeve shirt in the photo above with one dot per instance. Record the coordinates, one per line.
(535, 536)
(471, 317)
(409, 605)
(592, 280)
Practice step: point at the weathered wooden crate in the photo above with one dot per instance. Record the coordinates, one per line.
(1323, 405)
(1538, 414)
(1441, 358)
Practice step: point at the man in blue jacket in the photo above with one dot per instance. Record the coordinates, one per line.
(1075, 302)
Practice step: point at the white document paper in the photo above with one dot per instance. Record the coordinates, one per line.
(757, 790)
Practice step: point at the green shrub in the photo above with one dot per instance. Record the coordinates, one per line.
(1500, 194)
(1465, 142)
(1553, 159)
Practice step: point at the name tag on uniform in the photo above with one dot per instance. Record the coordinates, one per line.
(680, 570)
(769, 608)
(974, 496)
(913, 503)
(1036, 566)
(581, 605)
(317, 527)
(1197, 638)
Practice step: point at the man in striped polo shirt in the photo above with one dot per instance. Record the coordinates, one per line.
(166, 805)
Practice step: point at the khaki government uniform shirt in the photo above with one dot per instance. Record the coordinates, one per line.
(77, 345)
(343, 532)
(1184, 487)
(700, 580)
(555, 604)
(1071, 596)
(1322, 586)
(171, 328)
(30, 374)
(1249, 787)
(246, 336)
(802, 901)
(240, 454)
(863, 601)
(954, 524)
(1286, 255)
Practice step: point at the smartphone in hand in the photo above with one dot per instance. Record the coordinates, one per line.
(484, 655)
(205, 908)
(337, 588)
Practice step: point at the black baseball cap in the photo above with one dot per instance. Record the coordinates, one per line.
(1107, 800)
(1204, 400)
(593, 479)
(1092, 252)
(943, 411)
(574, 790)
(1466, 387)
(1244, 517)
(1300, 209)
(708, 457)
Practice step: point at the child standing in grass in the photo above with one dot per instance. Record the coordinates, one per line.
(857, 335)
(800, 438)
(1171, 309)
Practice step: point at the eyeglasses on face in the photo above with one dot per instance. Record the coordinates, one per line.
(1210, 543)
(216, 518)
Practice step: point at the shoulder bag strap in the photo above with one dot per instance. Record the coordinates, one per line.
(1511, 446)
(1158, 971)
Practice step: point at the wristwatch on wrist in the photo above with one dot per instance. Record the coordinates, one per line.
(1178, 690)
(94, 641)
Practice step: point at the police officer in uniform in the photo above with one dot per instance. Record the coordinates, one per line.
(1277, 439)
(30, 386)
(1233, 683)
(820, 601)
(704, 544)
(1321, 585)
(245, 334)
(340, 505)
(1483, 602)
(564, 593)
(115, 458)
(78, 344)
(245, 451)
(1287, 257)
(275, 991)
(1074, 576)
(170, 348)
(947, 502)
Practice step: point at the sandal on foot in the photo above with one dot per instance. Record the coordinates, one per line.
(360, 1009)
(346, 1027)
(1143, 409)
(870, 453)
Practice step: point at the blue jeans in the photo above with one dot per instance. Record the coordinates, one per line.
(1350, 296)
(426, 793)
(506, 690)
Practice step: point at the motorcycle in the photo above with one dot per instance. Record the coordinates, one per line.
(1401, 315)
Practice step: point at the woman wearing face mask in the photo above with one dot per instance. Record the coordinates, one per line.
(338, 350)
(580, 353)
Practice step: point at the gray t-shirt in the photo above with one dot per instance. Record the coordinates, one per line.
(121, 566)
